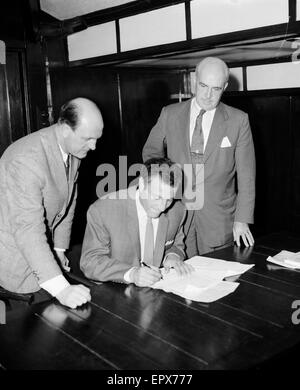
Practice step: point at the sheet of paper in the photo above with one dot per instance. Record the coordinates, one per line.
(206, 283)
(286, 259)
(211, 294)
(231, 268)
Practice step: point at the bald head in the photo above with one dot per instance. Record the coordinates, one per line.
(81, 126)
(212, 76)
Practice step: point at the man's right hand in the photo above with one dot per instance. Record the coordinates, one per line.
(74, 295)
(144, 276)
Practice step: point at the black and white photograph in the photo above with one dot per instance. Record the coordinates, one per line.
(150, 188)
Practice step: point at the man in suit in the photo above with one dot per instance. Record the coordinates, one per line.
(214, 140)
(38, 176)
(132, 232)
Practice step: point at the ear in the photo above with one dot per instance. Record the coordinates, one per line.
(225, 86)
(65, 130)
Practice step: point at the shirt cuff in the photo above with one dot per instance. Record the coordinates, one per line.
(127, 275)
(55, 285)
(59, 249)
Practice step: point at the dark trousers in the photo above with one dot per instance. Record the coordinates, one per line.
(14, 301)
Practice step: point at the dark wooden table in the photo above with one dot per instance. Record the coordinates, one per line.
(126, 327)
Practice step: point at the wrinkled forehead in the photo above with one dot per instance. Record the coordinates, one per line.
(212, 74)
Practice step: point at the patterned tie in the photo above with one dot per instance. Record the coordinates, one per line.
(149, 242)
(197, 145)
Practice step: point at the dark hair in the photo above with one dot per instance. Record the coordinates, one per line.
(69, 114)
(169, 172)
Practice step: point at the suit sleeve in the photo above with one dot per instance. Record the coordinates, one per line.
(245, 166)
(26, 212)
(96, 262)
(154, 146)
(179, 247)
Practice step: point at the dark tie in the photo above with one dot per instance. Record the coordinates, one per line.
(197, 145)
(149, 242)
(67, 166)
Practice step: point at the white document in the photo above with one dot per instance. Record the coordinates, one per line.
(206, 283)
(286, 259)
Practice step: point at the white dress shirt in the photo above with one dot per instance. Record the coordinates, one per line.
(206, 121)
(55, 285)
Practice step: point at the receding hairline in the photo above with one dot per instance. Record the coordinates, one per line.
(213, 61)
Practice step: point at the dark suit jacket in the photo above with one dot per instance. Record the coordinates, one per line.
(111, 245)
(222, 205)
(36, 210)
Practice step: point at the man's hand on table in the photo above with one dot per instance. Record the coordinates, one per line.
(241, 230)
(74, 295)
(173, 261)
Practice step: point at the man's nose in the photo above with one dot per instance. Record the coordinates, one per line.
(208, 92)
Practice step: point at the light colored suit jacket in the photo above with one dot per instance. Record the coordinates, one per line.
(111, 244)
(222, 204)
(36, 210)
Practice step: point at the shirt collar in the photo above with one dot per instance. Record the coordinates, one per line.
(64, 154)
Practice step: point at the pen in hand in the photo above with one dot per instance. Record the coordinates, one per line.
(151, 267)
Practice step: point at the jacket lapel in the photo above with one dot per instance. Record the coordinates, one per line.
(217, 131)
(133, 223)
(160, 239)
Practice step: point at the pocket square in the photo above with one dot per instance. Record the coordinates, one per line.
(225, 143)
(169, 242)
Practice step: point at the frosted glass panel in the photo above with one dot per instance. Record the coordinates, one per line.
(283, 75)
(157, 27)
(235, 80)
(212, 17)
(92, 42)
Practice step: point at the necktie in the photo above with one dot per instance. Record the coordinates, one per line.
(67, 166)
(149, 242)
(197, 145)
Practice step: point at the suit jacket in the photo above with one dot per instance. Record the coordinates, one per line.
(111, 244)
(36, 210)
(222, 205)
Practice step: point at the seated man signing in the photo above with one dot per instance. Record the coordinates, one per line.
(132, 232)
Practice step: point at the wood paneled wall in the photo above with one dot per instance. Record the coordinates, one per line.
(274, 119)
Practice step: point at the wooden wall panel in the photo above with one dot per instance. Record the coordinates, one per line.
(144, 94)
(270, 118)
(100, 86)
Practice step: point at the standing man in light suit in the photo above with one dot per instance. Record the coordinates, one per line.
(38, 176)
(205, 132)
